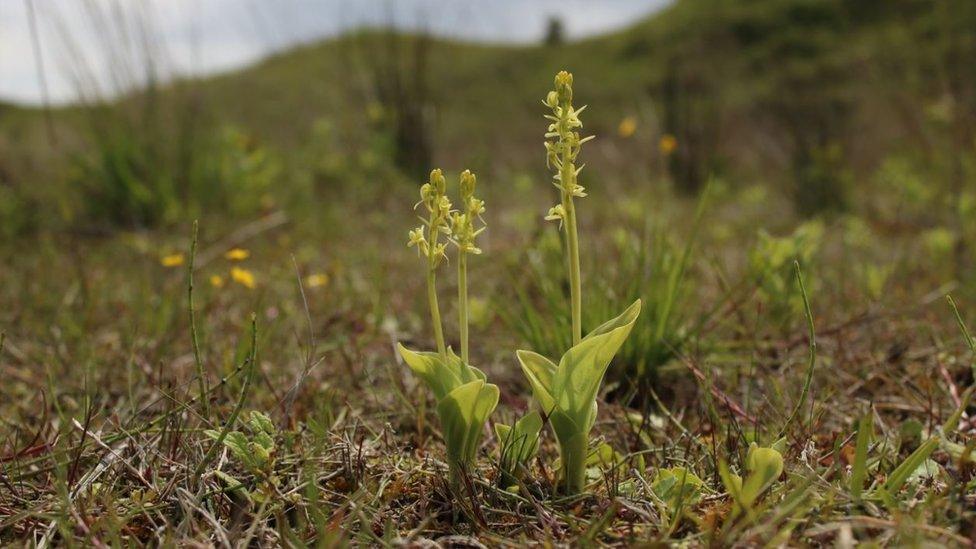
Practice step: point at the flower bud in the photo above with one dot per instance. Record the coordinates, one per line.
(552, 99)
(564, 86)
(437, 181)
(468, 181)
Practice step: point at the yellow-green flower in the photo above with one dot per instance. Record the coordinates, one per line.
(627, 127)
(237, 254)
(172, 260)
(217, 281)
(243, 277)
(316, 280)
(668, 144)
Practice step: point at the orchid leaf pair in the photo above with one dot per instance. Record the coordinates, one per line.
(567, 392)
(464, 400)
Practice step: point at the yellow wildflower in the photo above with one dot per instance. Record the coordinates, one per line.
(627, 127)
(316, 280)
(171, 260)
(243, 277)
(217, 281)
(237, 254)
(668, 144)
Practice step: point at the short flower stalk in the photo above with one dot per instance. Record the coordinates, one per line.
(464, 397)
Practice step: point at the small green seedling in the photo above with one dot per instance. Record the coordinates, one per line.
(464, 397)
(518, 445)
(567, 392)
(255, 449)
(764, 466)
(679, 489)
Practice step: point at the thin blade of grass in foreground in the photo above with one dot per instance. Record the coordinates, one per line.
(859, 470)
(811, 365)
(212, 452)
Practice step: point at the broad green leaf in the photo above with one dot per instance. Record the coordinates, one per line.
(582, 367)
(237, 442)
(765, 465)
(539, 370)
(265, 440)
(439, 377)
(463, 413)
(627, 317)
(464, 372)
(565, 427)
(261, 423)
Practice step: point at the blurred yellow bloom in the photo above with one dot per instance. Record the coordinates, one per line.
(171, 260)
(627, 127)
(374, 111)
(217, 281)
(316, 280)
(668, 144)
(237, 254)
(243, 277)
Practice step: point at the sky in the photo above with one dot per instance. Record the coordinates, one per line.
(99, 48)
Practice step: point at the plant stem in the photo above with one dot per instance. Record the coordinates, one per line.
(463, 303)
(572, 242)
(573, 453)
(435, 311)
(198, 361)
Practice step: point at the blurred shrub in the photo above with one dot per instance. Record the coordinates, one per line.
(161, 174)
(17, 212)
(771, 268)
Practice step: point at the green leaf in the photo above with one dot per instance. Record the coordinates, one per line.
(859, 470)
(539, 370)
(521, 443)
(463, 413)
(677, 487)
(765, 465)
(623, 319)
(582, 367)
(261, 423)
(439, 377)
(237, 442)
(900, 475)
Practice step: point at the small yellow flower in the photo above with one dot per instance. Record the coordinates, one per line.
(667, 144)
(627, 127)
(243, 277)
(316, 280)
(171, 260)
(217, 281)
(237, 254)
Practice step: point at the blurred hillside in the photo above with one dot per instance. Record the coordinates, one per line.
(835, 104)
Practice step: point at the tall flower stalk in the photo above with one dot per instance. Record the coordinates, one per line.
(567, 392)
(463, 235)
(563, 144)
(433, 195)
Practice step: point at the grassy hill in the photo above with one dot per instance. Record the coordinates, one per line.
(805, 95)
